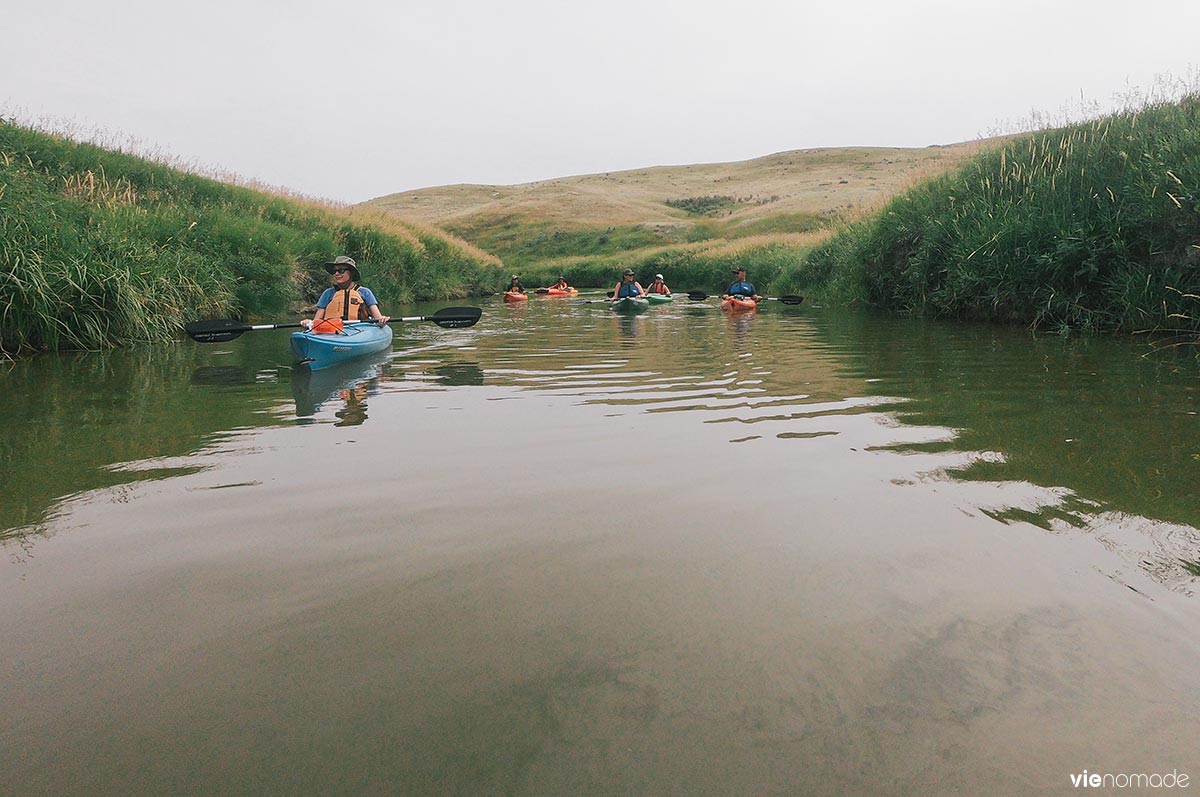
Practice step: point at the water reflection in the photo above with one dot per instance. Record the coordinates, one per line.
(84, 415)
(221, 375)
(349, 382)
(693, 553)
(459, 374)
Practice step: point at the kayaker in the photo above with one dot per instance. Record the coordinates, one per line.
(561, 285)
(515, 285)
(658, 286)
(346, 300)
(627, 287)
(739, 287)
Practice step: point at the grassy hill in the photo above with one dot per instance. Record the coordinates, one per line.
(101, 248)
(588, 225)
(1094, 225)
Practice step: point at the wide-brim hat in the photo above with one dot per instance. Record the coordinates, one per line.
(627, 272)
(345, 262)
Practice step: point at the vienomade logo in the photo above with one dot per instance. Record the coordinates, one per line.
(1095, 780)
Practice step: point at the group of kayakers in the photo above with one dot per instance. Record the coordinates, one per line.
(347, 300)
(630, 287)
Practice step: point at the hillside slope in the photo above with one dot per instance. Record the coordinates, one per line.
(571, 223)
(802, 181)
(101, 248)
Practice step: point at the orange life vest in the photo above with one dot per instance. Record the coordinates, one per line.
(347, 305)
(658, 287)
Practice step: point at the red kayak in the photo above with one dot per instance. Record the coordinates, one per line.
(738, 304)
(558, 292)
(514, 297)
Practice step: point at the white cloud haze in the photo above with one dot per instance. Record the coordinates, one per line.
(352, 100)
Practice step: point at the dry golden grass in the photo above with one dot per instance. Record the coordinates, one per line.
(842, 181)
(792, 239)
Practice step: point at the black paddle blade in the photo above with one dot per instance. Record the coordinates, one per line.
(791, 299)
(456, 317)
(697, 296)
(214, 330)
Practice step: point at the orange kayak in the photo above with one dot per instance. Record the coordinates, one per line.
(558, 292)
(511, 296)
(737, 303)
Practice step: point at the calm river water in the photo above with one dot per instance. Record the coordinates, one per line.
(567, 552)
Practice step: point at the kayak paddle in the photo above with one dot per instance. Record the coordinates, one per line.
(219, 330)
(698, 296)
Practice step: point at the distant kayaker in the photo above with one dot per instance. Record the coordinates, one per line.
(515, 285)
(739, 287)
(658, 286)
(561, 285)
(346, 300)
(627, 287)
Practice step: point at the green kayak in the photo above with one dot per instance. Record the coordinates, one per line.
(630, 304)
(659, 298)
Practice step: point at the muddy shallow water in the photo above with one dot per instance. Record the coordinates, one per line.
(566, 551)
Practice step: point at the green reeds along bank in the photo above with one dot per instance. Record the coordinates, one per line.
(100, 248)
(1093, 226)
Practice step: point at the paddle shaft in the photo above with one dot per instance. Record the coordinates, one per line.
(219, 330)
(699, 296)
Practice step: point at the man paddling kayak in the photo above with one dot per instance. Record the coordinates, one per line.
(346, 300)
(628, 287)
(739, 287)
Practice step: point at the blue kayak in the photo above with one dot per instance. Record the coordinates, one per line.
(630, 304)
(355, 340)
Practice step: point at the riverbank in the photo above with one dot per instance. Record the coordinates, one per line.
(100, 248)
(1092, 226)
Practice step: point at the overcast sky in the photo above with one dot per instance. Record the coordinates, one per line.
(355, 99)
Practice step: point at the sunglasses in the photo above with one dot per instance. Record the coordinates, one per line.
(340, 270)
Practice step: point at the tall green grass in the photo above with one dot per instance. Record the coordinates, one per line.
(101, 248)
(1093, 226)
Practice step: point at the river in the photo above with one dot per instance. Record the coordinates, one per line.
(802, 551)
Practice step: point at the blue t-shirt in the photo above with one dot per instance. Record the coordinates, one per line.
(327, 297)
(742, 288)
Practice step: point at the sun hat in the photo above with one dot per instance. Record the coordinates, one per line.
(737, 269)
(658, 276)
(628, 272)
(347, 262)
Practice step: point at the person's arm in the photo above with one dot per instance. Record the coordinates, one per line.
(641, 290)
(373, 306)
(616, 293)
(378, 317)
(322, 303)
